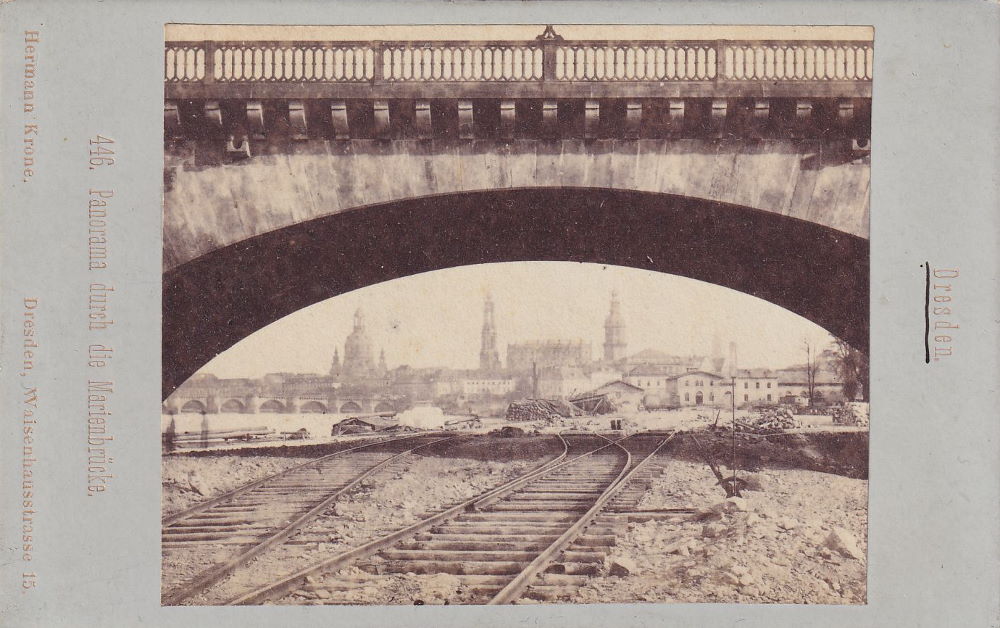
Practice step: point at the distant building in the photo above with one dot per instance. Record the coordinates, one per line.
(602, 375)
(756, 386)
(523, 357)
(701, 388)
(415, 384)
(666, 363)
(480, 385)
(625, 396)
(793, 384)
(653, 378)
(560, 382)
(447, 383)
(658, 384)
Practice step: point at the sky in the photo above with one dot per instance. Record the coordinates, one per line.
(435, 319)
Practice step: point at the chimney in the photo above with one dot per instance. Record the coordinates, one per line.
(731, 361)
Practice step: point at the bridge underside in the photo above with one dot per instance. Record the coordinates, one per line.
(815, 271)
(211, 204)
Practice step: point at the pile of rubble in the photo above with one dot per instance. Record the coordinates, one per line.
(187, 480)
(802, 540)
(768, 421)
(852, 413)
(538, 410)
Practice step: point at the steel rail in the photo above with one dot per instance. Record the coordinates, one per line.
(215, 574)
(289, 583)
(516, 587)
(205, 505)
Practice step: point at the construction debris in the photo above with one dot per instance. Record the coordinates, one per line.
(843, 542)
(368, 423)
(594, 404)
(853, 413)
(299, 434)
(768, 421)
(620, 565)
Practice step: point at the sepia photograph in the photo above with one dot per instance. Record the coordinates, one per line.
(515, 314)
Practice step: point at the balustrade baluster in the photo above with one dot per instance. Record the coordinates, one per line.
(377, 63)
(209, 72)
(552, 60)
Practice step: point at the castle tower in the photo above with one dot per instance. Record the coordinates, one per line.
(359, 360)
(382, 368)
(489, 357)
(614, 332)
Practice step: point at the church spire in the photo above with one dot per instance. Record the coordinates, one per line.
(489, 356)
(614, 332)
(335, 363)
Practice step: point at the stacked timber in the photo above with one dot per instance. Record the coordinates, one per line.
(538, 410)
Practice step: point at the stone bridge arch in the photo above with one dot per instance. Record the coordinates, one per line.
(814, 270)
(215, 205)
(350, 406)
(233, 405)
(272, 405)
(312, 407)
(195, 406)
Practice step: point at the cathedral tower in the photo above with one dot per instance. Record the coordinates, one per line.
(489, 357)
(614, 332)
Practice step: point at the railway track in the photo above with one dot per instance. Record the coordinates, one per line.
(224, 533)
(499, 544)
(583, 556)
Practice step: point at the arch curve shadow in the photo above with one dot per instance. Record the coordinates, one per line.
(216, 300)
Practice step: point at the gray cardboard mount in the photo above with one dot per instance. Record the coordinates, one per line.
(935, 163)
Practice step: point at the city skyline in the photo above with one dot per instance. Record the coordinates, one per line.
(426, 321)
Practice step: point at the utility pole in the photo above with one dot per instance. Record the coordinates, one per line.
(810, 372)
(736, 488)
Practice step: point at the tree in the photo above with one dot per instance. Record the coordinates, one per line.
(852, 366)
